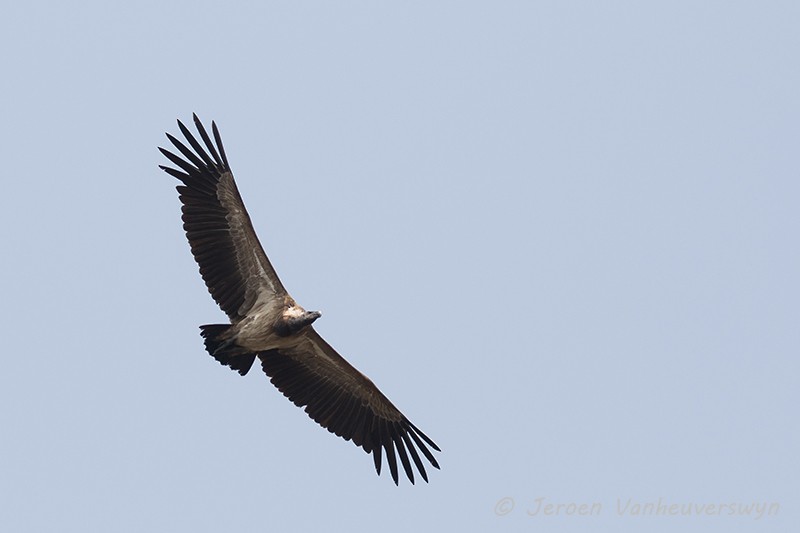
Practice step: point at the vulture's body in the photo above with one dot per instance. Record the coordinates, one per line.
(266, 323)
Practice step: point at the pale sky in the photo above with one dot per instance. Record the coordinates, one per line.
(562, 237)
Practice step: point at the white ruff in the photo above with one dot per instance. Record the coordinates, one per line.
(294, 312)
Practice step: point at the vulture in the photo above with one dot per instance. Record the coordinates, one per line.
(265, 321)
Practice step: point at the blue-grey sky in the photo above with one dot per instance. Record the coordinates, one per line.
(562, 237)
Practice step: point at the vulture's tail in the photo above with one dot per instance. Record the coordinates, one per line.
(225, 350)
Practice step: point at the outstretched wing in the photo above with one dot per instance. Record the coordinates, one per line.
(344, 401)
(232, 262)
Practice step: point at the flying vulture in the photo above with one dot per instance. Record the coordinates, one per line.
(268, 324)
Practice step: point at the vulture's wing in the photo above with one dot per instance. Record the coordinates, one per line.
(232, 262)
(343, 400)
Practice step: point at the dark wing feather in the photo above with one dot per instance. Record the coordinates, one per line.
(232, 262)
(345, 402)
